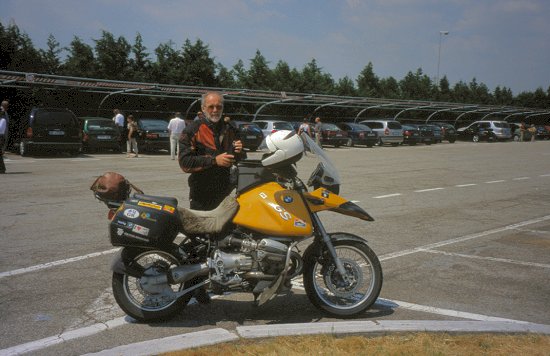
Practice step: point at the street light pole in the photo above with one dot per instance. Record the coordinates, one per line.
(441, 33)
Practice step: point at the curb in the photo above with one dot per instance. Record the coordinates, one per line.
(218, 335)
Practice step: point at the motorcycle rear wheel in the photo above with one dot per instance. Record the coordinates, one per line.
(140, 301)
(329, 292)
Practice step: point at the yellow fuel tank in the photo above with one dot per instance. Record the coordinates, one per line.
(273, 210)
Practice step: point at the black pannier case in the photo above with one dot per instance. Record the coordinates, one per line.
(145, 221)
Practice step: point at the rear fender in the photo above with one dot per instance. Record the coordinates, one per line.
(122, 264)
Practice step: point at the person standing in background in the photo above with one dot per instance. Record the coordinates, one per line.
(317, 129)
(175, 127)
(119, 121)
(4, 134)
(132, 137)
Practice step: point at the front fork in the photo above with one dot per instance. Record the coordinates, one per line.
(328, 242)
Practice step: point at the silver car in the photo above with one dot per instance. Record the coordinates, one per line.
(389, 131)
(500, 130)
(270, 126)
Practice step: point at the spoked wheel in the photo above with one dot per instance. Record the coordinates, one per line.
(145, 299)
(328, 291)
(475, 138)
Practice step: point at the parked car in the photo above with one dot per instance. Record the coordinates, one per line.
(359, 134)
(477, 132)
(99, 133)
(437, 134)
(50, 130)
(389, 131)
(270, 126)
(153, 135)
(333, 135)
(250, 134)
(447, 130)
(486, 130)
(411, 134)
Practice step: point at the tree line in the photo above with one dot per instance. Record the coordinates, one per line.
(115, 58)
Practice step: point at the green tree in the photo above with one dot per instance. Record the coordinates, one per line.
(417, 86)
(50, 57)
(80, 61)
(443, 93)
(368, 82)
(239, 73)
(224, 77)
(388, 88)
(164, 69)
(259, 75)
(313, 80)
(112, 56)
(461, 92)
(197, 67)
(345, 87)
(284, 78)
(140, 64)
(503, 96)
(17, 51)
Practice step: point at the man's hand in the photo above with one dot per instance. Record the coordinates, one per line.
(225, 159)
(237, 146)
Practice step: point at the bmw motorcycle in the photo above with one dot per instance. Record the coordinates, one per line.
(260, 239)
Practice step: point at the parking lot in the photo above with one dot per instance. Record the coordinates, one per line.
(462, 230)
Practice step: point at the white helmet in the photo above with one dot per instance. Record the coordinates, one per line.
(285, 148)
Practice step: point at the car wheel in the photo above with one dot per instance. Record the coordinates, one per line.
(475, 138)
(369, 145)
(349, 142)
(452, 140)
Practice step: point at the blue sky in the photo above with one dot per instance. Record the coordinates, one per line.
(498, 42)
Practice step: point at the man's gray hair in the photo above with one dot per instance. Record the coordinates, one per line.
(203, 97)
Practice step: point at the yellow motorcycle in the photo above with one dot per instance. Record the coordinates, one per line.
(259, 240)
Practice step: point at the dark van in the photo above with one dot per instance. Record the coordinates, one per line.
(49, 130)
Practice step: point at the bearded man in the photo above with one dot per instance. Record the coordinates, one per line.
(208, 148)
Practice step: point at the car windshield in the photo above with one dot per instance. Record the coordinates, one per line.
(152, 124)
(50, 118)
(331, 127)
(250, 128)
(103, 125)
(282, 125)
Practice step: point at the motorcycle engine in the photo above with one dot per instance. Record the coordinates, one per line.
(239, 261)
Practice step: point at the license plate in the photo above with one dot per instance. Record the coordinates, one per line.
(372, 134)
(251, 137)
(103, 137)
(164, 134)
(338, 135)
(56, 133)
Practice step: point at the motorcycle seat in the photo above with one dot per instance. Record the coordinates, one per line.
(211, 221)
(162, 200)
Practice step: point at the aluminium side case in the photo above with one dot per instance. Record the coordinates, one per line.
(145, 221)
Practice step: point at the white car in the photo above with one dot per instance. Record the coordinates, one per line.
(271, 126)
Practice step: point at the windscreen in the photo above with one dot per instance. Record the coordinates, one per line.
(54, 118)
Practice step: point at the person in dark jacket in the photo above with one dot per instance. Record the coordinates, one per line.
(208, 148)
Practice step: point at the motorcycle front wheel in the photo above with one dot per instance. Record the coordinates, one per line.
(146, 301)
(328, 291)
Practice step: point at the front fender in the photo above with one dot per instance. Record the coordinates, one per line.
(317, 248)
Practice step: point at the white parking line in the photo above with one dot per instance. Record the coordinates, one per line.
(495, 181)
(427, 190)
(465, 185)
(55, 263)
(521, 178)
(493, 259)
(461, 239)
(387, 196)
